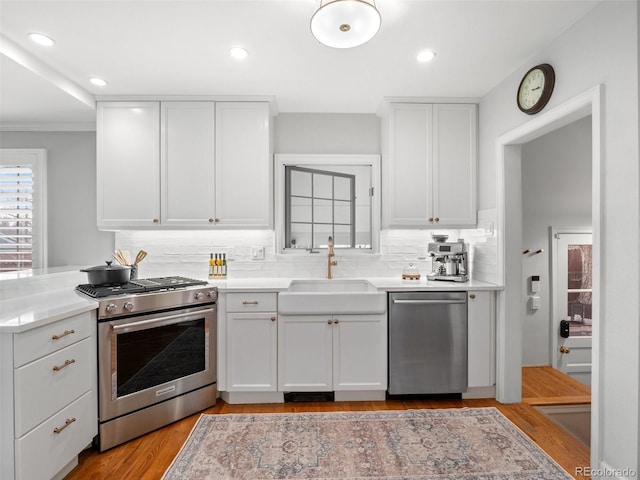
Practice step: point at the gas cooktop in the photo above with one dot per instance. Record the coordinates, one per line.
(139, 286)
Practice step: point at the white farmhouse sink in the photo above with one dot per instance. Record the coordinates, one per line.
(339, 296)
(338, 285)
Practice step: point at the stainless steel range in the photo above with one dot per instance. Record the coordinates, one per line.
(156, 354)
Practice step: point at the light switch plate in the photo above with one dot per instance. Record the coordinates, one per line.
(535, 303)
(257, 253)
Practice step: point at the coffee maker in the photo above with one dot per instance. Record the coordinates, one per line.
(449, 260)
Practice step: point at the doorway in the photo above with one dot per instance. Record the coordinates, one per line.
(509, 206)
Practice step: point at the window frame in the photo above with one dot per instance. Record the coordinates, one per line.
(37, 158)
(319, 161)
(289, 169)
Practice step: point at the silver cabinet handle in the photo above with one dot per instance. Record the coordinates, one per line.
(254, 302)
(64, 334)
(66, 363)
(430, 302)
(67, 422)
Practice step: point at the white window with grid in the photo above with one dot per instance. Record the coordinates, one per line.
(22, 209)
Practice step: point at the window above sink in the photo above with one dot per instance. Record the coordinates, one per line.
(322, 196)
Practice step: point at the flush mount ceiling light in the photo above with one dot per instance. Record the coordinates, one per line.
(345, 23)
(41, 39)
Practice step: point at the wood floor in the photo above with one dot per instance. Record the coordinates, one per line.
(147, 457)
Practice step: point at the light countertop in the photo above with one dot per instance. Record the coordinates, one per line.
(391, 284)
(29, 310)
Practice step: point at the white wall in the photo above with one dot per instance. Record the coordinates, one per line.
(602, 48)
(556, 191)
(73, 237)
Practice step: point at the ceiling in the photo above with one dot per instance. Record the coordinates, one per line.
(180, 47)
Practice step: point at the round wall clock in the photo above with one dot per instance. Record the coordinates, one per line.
(535, 88)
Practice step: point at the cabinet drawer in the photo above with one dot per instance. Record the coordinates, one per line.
(41, 391)
(252, 302)
(47, 339)
(42, 452)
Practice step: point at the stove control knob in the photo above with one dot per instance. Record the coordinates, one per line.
(211, 294)
(199, 296)
(128, 306)
(110, 308)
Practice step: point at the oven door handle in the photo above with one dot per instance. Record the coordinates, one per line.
(156, 322)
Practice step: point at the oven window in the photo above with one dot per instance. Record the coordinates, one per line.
(151, 357)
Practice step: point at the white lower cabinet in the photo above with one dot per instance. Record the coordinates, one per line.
(480, 306)
(46, 449)
(252, 342)
(252, 352)
(49, 410)
(332, 352)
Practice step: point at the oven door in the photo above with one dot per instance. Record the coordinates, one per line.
(148, 359)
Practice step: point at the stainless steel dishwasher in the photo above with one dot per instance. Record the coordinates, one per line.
(427, 343)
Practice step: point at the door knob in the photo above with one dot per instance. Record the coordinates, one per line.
(564, 349)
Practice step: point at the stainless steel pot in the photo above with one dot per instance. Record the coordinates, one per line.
(108, 274)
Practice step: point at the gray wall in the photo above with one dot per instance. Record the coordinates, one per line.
(600, 49)
(73, 237)
(329, 133)
(556, 191)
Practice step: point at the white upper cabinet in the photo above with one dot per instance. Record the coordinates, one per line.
(430, 165)
(128, 164)
(184, 164)
(244, 170)
(187, 163)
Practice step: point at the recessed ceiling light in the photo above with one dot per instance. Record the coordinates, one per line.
(98, 81)
(238, 53)
(426, 56)
(41, 39)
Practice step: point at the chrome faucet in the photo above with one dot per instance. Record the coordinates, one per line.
(330, 253)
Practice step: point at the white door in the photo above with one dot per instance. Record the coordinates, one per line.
(244, 172)
(252, 352)
(359, 352)
(453, 169)
(187, 163)
(128, 164)
(407, 172)
(305, 355)
(573, 293)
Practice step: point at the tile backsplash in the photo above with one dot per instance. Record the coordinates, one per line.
(186, 252)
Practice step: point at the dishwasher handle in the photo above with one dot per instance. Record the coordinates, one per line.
(431, 302)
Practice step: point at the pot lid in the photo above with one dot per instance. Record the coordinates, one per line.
(107, 267)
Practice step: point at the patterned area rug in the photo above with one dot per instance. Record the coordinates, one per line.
(467, 443)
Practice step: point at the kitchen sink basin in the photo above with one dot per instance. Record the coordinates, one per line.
(339, 296)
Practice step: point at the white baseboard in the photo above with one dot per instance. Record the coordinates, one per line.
(480, 392)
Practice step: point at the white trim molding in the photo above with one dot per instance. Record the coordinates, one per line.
(37, 66)
(509, 325)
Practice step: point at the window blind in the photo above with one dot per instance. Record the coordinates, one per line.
(16, 217)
